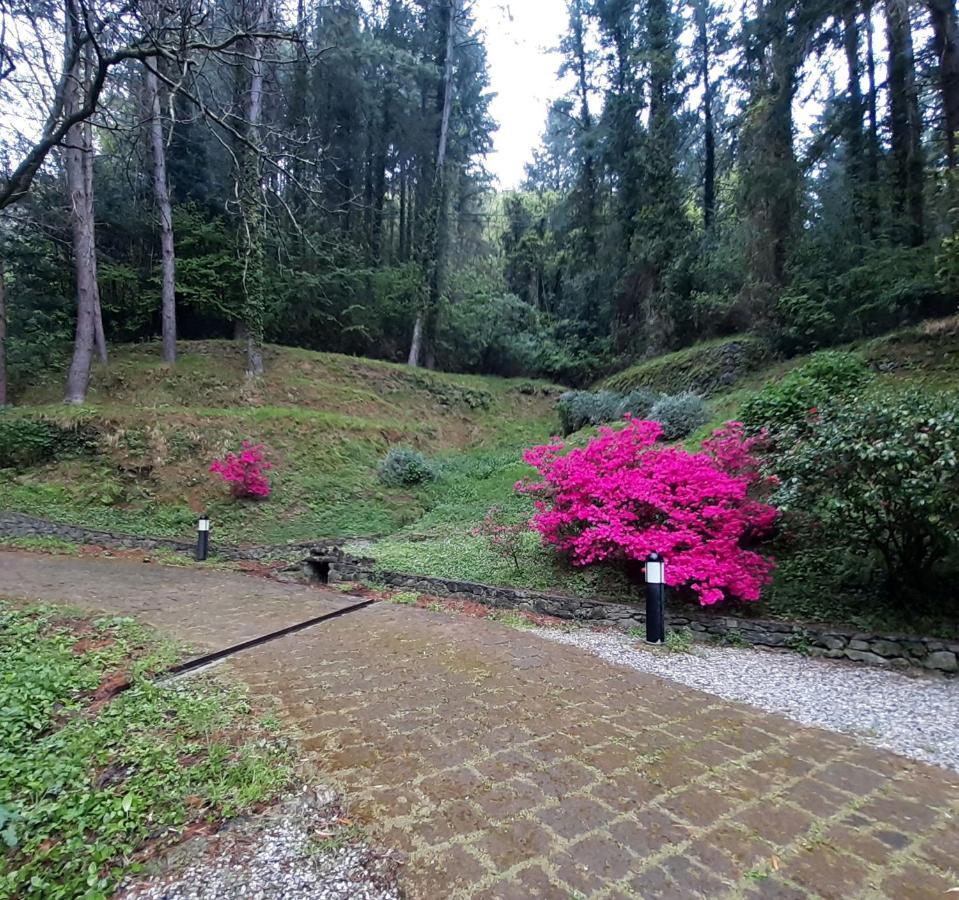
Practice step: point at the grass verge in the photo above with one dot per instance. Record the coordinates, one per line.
(93, 779)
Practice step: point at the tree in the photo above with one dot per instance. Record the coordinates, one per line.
(79, 185)
(905, 126)
(161, 193)
(250, 193)
(945, 42)
(436, 241)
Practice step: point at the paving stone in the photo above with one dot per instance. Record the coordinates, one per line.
(914, 883)
(478, 749)
(827, 873)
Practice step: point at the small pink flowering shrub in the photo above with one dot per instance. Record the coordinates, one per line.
(245, 472)
(622, 497)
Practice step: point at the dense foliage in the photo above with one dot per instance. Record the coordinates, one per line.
(674, 197)
(621, 497)
(404, 467)
(87, 784)
(828, 377)
(881, 477)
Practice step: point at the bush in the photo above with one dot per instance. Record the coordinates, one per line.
(680, 416)
(404, 467)
(622, 498)
(881, 476)
(28, 442)
(789, 402)
(803, 323)
(577, 409)
(245, 472)
(639, 403)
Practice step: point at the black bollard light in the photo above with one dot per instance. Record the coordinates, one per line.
(655, 599)
(202, 538)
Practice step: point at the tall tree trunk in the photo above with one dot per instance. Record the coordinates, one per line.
(872, 147)
(853, 117)
(701, 12)
(945, 41)
(251, 200)
(3, 335)
(438, 237)
(587, 185)
(84, 250)
(88, 153)
(905, 124)
(161, 194)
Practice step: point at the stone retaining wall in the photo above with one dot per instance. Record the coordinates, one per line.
(894, 651)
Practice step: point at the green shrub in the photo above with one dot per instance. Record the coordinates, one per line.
(404, 467)
(639, 403)
(803, 323)
(577, 409)
(28, 442)
(880, 476)
(680, 416)
(786, 403)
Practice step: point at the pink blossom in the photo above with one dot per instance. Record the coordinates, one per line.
(622, 497)
(244, 472)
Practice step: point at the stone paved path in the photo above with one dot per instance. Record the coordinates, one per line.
(507, 766)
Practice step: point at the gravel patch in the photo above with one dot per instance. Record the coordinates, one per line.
(914, 716)
(301, 849)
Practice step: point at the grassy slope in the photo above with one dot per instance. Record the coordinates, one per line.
(440, 544)
(329, 419)
(326, 419)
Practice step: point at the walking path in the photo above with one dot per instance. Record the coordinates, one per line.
(509, 766)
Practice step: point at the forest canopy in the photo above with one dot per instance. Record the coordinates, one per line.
(314, 175)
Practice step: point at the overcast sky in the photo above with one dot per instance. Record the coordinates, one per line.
(521, 37)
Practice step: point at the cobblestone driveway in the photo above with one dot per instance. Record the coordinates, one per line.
(507, 766)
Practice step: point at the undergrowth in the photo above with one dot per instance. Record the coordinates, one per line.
(88, 782)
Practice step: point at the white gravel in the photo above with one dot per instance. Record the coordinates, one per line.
(916, 716)
(299, 851)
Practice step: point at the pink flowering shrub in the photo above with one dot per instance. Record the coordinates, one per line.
(622, 497)
(245, 472)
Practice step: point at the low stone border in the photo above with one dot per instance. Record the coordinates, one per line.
(19, 525)
(325, 560)
(895, 651)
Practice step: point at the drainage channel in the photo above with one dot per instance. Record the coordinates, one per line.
(209, 659)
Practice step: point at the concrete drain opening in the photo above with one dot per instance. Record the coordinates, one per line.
(317, 570)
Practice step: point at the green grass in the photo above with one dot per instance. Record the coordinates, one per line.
(326, 420)
(87, 785)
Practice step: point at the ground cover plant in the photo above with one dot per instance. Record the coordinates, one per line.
(98, 763)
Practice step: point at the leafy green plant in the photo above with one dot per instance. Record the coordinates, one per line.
(881, 476)
(578, 409)
(680, 416)
(87, 783)
(404, 467)
(828, 376)
(405, 598)
(26, 442)
(679, 640)
(512, 620)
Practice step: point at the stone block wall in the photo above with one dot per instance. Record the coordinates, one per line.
(889, 651)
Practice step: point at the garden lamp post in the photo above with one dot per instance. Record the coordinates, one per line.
(655, 599)
(202, 538)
